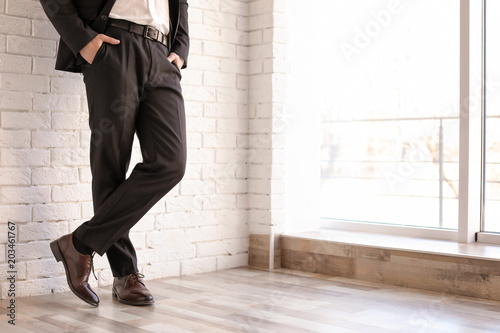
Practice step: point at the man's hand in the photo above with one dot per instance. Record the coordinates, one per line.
(176, 59)
(90, 50)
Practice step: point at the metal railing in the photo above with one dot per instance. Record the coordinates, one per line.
(442, 179)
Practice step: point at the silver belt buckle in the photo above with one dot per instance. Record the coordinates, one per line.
(146, 33)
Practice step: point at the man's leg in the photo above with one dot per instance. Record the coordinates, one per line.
(113, 88)
(121, 255)
(160, 126)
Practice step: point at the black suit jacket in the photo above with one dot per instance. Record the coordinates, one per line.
(80, 21)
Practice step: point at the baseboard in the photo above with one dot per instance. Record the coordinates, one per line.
(456, 273)
(264, 251)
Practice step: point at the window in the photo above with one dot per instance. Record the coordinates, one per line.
(396, 90)
(390, 128)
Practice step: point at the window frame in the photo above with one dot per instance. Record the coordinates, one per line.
(484, 236)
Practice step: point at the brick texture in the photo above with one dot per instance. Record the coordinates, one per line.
(266, 128)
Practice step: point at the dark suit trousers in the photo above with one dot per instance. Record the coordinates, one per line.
(131, 89)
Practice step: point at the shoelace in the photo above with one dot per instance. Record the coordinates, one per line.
(92, 264)
(136, 276)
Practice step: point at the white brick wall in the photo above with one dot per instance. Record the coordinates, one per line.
(267, 92)
(202, 224)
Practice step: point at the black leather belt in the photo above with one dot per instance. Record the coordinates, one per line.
(145, 31)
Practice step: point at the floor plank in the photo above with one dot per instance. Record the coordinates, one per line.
(252, 300)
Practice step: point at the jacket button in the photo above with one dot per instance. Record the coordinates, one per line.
(104, 17)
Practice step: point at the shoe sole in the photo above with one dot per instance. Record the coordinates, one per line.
(138, 303)
(56, 251)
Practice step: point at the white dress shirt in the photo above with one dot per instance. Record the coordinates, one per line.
(145, 12)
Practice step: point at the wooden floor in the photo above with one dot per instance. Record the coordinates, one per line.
(248, 300)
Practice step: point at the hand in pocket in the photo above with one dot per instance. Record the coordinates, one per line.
(90, 50)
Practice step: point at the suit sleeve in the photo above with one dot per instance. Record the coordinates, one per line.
(64, 17)
(180, 45)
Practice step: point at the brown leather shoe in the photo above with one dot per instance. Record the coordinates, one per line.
(131, 290)
(77, 268)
